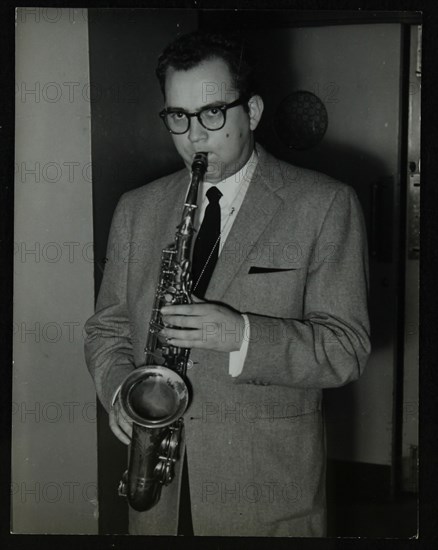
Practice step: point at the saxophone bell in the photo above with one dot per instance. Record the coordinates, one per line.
(154, 396)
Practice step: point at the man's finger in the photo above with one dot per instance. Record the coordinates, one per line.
(121, 436)
(183, 309)
(174, 333)
(199, 344)
(117, 431)
(183, 321)
(124, 422)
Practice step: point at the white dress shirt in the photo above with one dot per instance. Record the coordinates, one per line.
(233, 191)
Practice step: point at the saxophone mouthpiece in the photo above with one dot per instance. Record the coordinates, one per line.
(200, 162)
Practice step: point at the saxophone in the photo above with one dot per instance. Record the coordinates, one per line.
(155, 396)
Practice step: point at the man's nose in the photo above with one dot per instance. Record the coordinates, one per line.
(197, 132)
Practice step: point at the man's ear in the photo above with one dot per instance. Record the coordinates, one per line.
(255, 107)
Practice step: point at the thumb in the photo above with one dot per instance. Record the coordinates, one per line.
(197, 300)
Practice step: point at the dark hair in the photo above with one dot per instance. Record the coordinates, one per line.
(189, 50)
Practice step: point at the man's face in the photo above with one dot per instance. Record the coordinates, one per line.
(210, 84)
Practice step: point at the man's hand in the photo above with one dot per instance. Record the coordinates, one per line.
(203, 325)
(120, 424)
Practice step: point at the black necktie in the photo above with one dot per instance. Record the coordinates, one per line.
(206, 249)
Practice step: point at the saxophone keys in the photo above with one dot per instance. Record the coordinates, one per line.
(168, 473)
(160, 473)
(164, 445)
(154, 328)
(168, 298)
(123, 485)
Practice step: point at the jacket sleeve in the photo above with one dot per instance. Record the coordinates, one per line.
(108, 342)
(329, 346)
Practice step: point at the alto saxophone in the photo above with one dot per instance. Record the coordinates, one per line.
(155, 396)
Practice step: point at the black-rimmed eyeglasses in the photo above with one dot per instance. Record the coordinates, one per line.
(212, 118)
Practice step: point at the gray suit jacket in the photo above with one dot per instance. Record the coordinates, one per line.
(296, 262)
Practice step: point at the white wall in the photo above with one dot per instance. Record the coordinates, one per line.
(54, 466)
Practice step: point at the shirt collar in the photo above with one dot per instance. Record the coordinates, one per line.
(230, 186)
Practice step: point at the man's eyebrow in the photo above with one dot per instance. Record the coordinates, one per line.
(207, 106)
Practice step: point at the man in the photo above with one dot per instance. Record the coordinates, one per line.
(283, 316)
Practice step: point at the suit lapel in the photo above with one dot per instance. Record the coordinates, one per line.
(257, 210)
(172, 204)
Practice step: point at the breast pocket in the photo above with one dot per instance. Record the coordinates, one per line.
(254, 269)
(275, 291)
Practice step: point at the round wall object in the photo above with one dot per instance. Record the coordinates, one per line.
(301, 120)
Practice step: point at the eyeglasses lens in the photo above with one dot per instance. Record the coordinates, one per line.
(211, 119)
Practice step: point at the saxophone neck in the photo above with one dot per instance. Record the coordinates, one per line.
(186, 229)
(199, 167)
